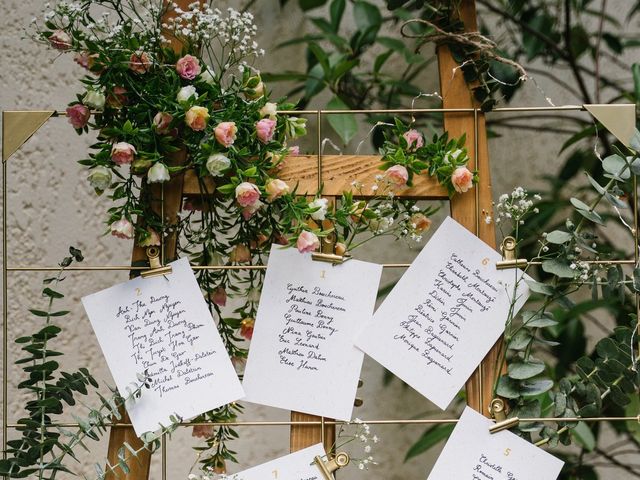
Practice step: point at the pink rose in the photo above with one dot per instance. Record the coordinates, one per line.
(85, 60)
(78, 116)
(247, 194)
(60, 40)
(397, 175)
(294, 151)
(162, 121)
(122, 153)
(240, 254)
(419, 222)
(117, 98)
(140, 62)
(414, 139)
(196, 118)
(188, 67)
(122, 229)
(203, 431)
(307, 242)
(265, 129)
(225, 133)
(219, 296)
(276, 188)
(462, 179)
(239, 363)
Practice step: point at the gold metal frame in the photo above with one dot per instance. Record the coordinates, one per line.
(19, 126)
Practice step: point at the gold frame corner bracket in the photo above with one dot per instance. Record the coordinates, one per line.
(18, 126)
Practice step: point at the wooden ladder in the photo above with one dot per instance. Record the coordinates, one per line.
(338, 171)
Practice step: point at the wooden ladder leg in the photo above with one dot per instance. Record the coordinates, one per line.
(473, 207)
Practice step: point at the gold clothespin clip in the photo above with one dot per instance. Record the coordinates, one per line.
(509, 260)
(328, 252)
(498, 411)
(358, 402)
(327, 468)
(155, 264)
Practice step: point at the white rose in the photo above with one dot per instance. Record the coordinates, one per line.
(269, 110)
(207, 76)
(186, 93)
(158, 173)
(94, 99)
(100, 178)
(322, 204)
(217, 163)
(450, 156)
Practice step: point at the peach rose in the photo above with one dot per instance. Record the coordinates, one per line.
(85, 60)
(462, 179)
(414, 139)
(140, 62)
(203, 431)
(247, 194)
(276, 188)
(123, 153)
(188, 67)
(78, 116)
(225, 133)
(246, 328)
(122, 228)
(265, 129)
(60, 40)
(397, 175)
(419, 222)
(196, 118)
(162, 121)
(269, 110)
(307, 242)
(117, 98)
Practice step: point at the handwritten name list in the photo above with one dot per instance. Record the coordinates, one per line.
(303, 338)
(472, 453)
(161, 327)
(444, 314)
(295, 466)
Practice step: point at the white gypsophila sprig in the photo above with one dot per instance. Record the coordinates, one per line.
(515, 206)
(359, 433)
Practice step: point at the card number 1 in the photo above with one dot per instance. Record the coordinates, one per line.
(275, 474)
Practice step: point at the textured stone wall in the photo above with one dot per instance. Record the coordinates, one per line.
(51, 206)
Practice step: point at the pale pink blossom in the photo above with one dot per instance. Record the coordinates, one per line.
(397, 175)
(265, 129)
(188, 67)
(196, 118)
(414, 139)
(203, 431)
(219, 296)
(247, 194)
(122, 228)
(60, 40)
(419, 222)
(294, 150)
(225, 133)
(276, 188)
(246, 328)
(240, 254)
(307, 242)
(249, 211)
(462, 179)
(117, 98)
(78, 116)
(123, 153)
(140, 62)
(85, 60)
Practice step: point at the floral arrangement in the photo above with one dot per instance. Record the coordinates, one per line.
(169, 90)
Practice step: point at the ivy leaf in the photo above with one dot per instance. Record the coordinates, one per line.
(344, 125)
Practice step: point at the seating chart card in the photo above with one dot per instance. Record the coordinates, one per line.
(473, 453)
(296, 466)
(302, 355)
(444, 314)
(162, 326)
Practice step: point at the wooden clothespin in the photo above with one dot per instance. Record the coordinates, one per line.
(328, 467)
(509, 260)
(155, 264)
(498, 411)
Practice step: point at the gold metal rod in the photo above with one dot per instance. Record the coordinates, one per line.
(33, 268)
(426, 421)
(5, 310)
(476, 199)
(319, 139)
(164, 456)
(636, 254)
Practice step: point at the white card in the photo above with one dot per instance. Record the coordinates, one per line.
(296, 466)
(444, 314)
(302, 355)
(473, 453)
(162, 325)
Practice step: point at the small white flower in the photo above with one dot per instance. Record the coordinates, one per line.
(322, 204)
(186, 93)
(158, 173)
(94, 99)
(218, 163)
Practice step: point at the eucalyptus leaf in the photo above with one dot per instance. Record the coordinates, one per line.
(535, 387)
(538, 287)
(558, 268)
(523, 370)
(616, 166)
(584, 436)
(558, 237)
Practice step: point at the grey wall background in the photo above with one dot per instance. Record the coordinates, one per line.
(51, 206)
